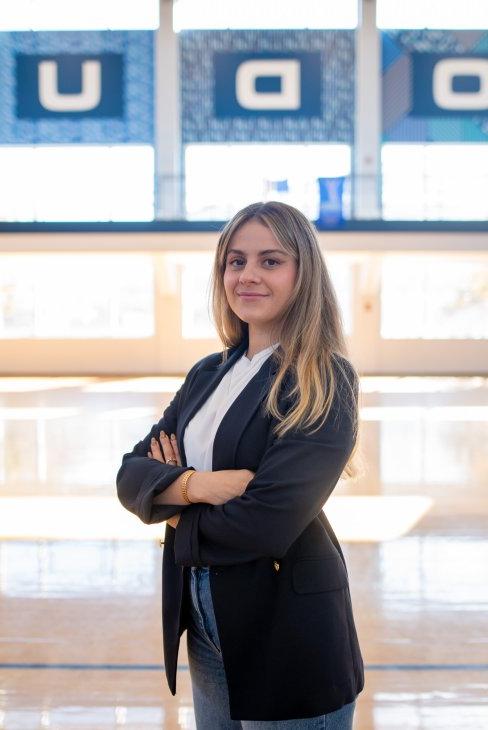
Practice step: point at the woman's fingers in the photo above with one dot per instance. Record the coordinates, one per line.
(156, 451)
(175, 449)
(169, 449)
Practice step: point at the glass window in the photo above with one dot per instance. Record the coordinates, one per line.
(196, 322)
(429, 297)
(198, 14)
(86, 15)
(221, 178)
(435, 181)
(102, 296)
(469, 14)
(77, 183)
(340, 267)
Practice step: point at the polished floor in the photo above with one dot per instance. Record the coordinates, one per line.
(80, 578)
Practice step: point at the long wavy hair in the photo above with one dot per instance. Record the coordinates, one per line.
(311, 332)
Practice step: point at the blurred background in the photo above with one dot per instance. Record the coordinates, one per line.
(129, 132)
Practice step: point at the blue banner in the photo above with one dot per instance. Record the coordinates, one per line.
(87, 87)
(267, 85)
(435, 86)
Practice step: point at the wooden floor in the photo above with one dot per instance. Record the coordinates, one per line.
(80, 579)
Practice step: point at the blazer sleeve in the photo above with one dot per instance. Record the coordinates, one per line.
(295, 477)
(140, 478)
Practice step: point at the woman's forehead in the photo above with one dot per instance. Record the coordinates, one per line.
(255, 236)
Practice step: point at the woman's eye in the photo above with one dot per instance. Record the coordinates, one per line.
(234, 261)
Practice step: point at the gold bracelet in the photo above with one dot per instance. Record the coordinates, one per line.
(186, 477)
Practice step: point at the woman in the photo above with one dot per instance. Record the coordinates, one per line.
(251, 566)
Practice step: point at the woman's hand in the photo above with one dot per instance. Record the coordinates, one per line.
(168, 454)
(211, 487)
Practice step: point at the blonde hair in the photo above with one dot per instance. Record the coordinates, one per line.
(310, 329)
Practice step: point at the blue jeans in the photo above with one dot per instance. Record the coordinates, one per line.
(209, 685)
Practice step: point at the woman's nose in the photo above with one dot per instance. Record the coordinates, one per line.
(248, 272)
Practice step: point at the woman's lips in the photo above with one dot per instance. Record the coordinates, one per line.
(252, 296)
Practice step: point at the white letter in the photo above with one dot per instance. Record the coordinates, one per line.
(88, 98)
(287, 98)
(442, 92)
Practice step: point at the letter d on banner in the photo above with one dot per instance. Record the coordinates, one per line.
(287, 98)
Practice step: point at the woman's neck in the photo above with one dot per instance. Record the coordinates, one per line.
(257, 344)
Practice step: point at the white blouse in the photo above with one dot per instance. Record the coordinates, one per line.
(201, 429)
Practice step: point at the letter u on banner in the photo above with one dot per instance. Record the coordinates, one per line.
(88, 98)
(288, 70)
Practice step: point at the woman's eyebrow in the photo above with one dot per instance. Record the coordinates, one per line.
(260, 253)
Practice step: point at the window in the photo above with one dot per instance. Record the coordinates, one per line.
(221, 178)
(76, 296)
(86, 15)
(434, 297)
(77, 183)
(200, 14)
(68, 182)
(435, 181)
(468, 14)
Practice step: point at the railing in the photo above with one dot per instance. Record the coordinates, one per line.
(331, 200)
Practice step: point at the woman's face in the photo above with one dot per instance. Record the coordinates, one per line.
(257, 262)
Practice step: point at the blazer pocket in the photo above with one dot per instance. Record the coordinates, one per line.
(316, 575)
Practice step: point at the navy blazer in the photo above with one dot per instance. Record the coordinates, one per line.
(278, 577)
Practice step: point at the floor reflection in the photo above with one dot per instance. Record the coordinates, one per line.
(80, 578)
(392, 700)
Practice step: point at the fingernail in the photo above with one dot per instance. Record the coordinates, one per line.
(173, 436)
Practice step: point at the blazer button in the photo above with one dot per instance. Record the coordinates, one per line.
(276, 565)
(161, 543)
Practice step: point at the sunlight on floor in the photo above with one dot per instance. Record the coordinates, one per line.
(26, 384)
(166, 384)
(375, 518)
(355, 519)
(425, 413)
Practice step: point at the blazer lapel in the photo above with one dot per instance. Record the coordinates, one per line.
(239, 413)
